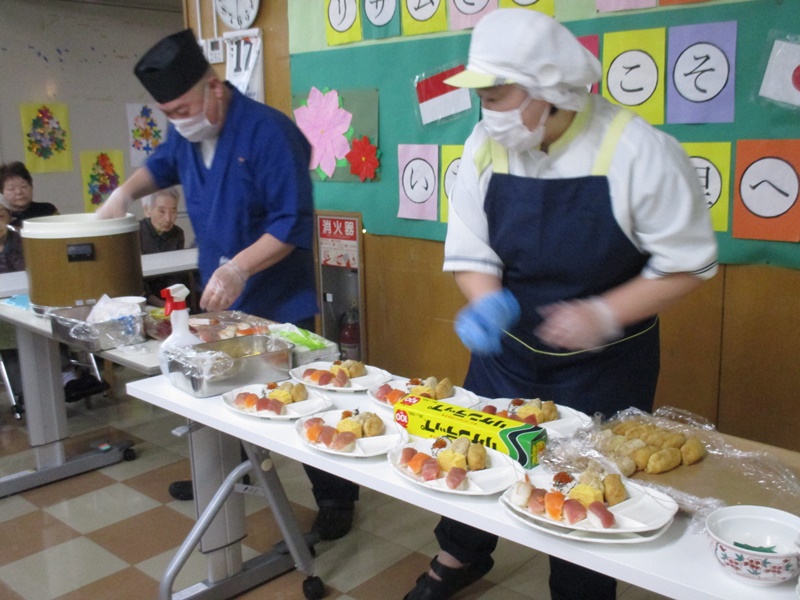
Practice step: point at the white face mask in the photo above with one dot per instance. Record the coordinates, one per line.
(197, 127)
(507, 128)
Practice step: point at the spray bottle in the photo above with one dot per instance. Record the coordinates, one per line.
(175, 309)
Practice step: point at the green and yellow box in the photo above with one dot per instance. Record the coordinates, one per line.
(429, 418)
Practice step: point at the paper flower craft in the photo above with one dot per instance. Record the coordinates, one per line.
(46, 136)
(363, 159)
(146, 133)
(103, 179)
(325, 124)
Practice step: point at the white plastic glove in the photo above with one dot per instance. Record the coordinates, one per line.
(224, 287)
(116, 205)
(578, 324)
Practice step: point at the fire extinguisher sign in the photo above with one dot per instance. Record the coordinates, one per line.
(338, 241)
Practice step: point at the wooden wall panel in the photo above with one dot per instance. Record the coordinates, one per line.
(690, 350)
(411, 305)
(760, 381)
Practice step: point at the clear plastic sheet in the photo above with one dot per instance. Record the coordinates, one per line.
(578, 451)
(200, 364)
(111, 323)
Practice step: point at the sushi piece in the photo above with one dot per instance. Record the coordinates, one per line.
(416, 462)
(341, 379)
(600, 516)
(381, 392)
(456, 479)
(430, 469)
(312, 433)
(553, 505)
(326, 436)
(536, 501)
(406, 454)
(520, 493)
(573, 511)
(275, 406)
(325, 378)
(395, 396)
(344, 441)
(308, 423)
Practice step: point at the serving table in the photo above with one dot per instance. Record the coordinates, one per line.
(40, 364)
(678, 564)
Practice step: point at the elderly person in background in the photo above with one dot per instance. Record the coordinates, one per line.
(10, 260)
(10, 241)
(159, 233)
(16, 186)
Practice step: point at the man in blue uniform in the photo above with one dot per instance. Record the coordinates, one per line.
(244, 171)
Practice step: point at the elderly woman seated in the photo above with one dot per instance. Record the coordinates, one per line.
(159, 233)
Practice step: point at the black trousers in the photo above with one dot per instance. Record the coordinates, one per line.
(568, 581)
(325, 486)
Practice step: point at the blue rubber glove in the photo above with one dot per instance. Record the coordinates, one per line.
(481, 323)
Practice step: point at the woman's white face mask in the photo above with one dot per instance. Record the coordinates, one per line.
(197, 127)
(508, 129)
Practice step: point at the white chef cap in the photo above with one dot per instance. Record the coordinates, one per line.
(532, 50)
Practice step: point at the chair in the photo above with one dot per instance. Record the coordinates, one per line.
(16, 406)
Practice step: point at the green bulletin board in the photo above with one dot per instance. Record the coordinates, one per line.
(391, 66)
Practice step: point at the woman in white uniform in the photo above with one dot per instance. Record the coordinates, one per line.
(572, 224)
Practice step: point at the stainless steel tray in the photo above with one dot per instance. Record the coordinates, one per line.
(234, 362)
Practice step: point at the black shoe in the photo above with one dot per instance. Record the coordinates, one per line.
(334, 519)
(83, 387)
(181, 490)
(453, 580)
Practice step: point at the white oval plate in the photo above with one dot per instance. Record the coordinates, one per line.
(581, 535)
(371, 446)
(645, 509)
(460, 397)
(374, 376)
(498, 476)
(568, 422)
(315, 403)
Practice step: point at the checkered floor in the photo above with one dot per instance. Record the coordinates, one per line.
(111, 533)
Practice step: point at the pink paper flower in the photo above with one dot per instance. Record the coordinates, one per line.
(324, 123)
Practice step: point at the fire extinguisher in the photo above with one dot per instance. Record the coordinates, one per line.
(350, 335)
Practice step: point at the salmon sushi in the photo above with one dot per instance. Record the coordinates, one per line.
(554, 504)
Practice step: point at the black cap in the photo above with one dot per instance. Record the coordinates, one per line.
(172, 67)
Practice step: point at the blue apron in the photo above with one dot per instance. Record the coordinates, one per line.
(559, 240)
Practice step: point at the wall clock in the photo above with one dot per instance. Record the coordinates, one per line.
(237, 14)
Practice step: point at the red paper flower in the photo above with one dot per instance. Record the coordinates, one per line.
(363, 158)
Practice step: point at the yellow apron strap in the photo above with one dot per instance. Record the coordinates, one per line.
(499, 158)
(609, 144)
(491, 154)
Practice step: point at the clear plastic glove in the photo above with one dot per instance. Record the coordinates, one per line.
(578, 324)
(224, 287)
(117, 205)
(481, 323)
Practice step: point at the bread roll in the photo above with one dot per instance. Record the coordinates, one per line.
(641, 455)
(444, 389)
(299, 392)
(663, 460)
(613, 489)
(550, 411)
(460, 445)
(476, 457)
(373, 425)
(626, 465)
(692, 451)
